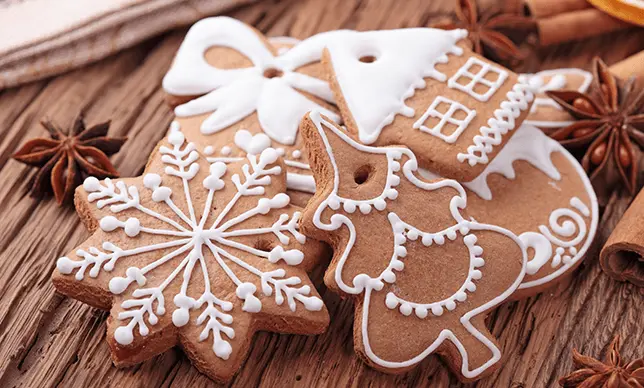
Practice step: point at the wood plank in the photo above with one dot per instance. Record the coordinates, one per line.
(48, 340)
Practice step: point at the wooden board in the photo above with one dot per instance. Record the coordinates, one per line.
(49, 340)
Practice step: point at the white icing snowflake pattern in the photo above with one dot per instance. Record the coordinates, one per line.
(202, 244)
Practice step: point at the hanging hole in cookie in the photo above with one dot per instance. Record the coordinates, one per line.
(264, 245)
(367, 59)
(361, 175)
(273, 73)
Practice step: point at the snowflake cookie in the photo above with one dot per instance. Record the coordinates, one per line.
(194, 254)
(423, 273)
(238, 94)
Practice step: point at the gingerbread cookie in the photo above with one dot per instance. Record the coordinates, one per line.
(194, 254)
(239, 94)
(532, 186)
(424, 88)
(423, 274)
(538, 190)
(545, 113)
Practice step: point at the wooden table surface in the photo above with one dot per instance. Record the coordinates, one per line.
(50, 340)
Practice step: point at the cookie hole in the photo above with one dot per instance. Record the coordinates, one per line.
(367, 59)
(298, 377)
(361, 175)
(273, 73)
(264, 245)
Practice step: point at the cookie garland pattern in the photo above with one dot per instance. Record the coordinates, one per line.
(271, 87)
(364, 285)
(374, 92)
(184, 233)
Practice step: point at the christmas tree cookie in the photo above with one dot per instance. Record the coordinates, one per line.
(423, 274)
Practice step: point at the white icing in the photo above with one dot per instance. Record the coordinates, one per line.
(276, 40)
(529, 144)
(188, 236)
(558, 81)
(174, 126)
(504, 120)
(404, 232)
(376, 92)
(296, 154)
(252, 144)
(532, 145)
(445, 118)
(209, 150)
(636, 3)
(300, 182)
(294, 181)
(255, 144)
(478, 78)
(363, 283)
(232, 94)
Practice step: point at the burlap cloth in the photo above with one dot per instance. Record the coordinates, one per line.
(41, 38)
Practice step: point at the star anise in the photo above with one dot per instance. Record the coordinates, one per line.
(490, 34)
(611, 373)
(610, 121)
(68, 157)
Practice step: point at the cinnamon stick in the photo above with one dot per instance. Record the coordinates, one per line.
(633, 65)
(540, 9)
(577, 25)
(622, 257)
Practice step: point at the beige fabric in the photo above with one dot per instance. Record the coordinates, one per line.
(40, 38)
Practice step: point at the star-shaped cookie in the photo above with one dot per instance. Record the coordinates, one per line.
(195, 254)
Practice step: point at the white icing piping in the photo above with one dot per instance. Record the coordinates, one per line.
(532, 145)
(365, 283)
(503, 121)
(254, 145)
(232, 94)
(404, 232)
(478, 78)
(444, 118)
(375, 92)
(558, 81)
(529, 144)
(180, 159)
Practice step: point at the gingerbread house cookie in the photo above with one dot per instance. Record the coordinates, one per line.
(424, 88)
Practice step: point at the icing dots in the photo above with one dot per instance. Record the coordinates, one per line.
(556, 241)
(404, 233)
(187, 235)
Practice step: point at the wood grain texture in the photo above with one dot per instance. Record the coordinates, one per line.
(47, 340)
